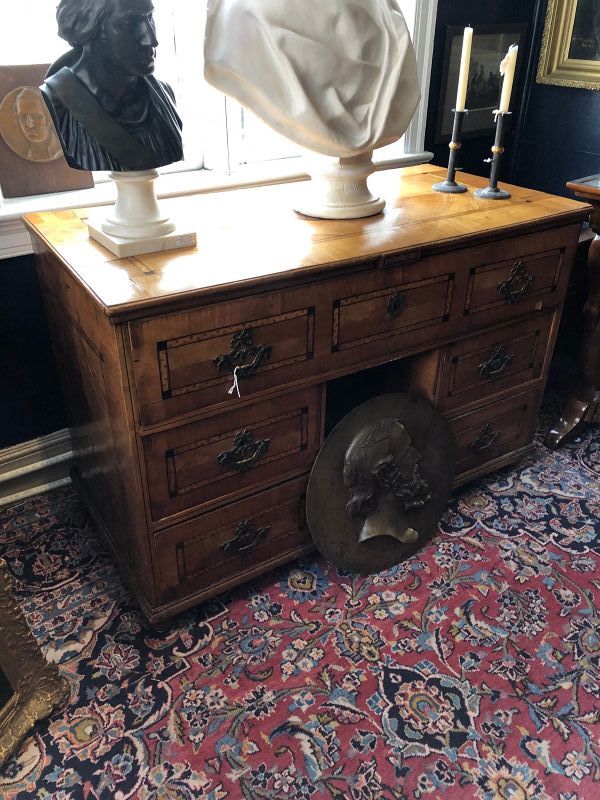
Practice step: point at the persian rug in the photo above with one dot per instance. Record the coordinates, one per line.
(469, 671)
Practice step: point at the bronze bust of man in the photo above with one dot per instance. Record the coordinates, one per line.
(381, 471)
(38, 138)
(380, 482)
(109, 110)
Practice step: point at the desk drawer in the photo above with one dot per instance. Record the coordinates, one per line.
(184, 362)
(233, 543)
(491, 363)
(369, 311)
(494, 430)
(510, 288)
(231, 454)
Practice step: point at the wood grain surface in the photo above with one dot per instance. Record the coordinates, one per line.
(201, 382)
(249, 238)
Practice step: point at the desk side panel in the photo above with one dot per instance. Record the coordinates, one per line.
(91, 367)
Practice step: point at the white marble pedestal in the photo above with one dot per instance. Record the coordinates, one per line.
(338, 188)
(135, 225)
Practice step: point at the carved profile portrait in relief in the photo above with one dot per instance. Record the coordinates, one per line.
(109, 110)
(381, 471)
(380, 483)
(26, 125)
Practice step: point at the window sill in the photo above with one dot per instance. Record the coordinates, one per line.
(15, 241)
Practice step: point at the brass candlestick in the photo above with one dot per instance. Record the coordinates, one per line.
(491, 191)
(450, 185)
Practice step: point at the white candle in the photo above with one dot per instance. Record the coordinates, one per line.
(507, 68)
(463, 75)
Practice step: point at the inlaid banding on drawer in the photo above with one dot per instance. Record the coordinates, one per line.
(372, 316)
(508, 284)
(272, 439)
(494, 430)
(222, 457)
(272, 526)
(494, 362)
(190, 363)
(269, 526)
(185, 361)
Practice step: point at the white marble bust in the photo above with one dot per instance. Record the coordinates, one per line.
(339, 78)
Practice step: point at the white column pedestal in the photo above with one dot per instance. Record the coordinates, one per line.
(338, 188)
(135, 225)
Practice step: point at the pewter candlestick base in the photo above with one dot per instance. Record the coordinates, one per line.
(491, 191)
(450, 185)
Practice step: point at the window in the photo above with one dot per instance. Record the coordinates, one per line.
(248, 140)
(180, 27)
(219, 134)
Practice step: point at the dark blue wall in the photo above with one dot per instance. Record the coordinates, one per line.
(555, 131)
(477, 14)
(560, 138)
(30, 401)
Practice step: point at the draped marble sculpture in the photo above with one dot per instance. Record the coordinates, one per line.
(339, 79)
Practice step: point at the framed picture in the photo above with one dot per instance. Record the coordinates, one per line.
(490, 45)
(570, 53)
(31, 158)
(30, 688)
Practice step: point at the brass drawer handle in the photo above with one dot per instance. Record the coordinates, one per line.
(517, 284)
(496, 363)
(395, 305)
(247, 538)
(245, 453)
(244, 355)
(486, 438)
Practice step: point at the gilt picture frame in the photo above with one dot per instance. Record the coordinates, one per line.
(30, 687)
(490, 45)
(570, 51)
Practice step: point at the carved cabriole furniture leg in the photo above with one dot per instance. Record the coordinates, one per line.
(583, 405)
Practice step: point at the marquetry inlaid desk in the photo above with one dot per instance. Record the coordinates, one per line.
(197, 489)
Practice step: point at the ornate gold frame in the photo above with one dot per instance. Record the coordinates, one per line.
(555, 66)
(37, 687)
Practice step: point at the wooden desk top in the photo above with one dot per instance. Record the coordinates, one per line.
(251, 239)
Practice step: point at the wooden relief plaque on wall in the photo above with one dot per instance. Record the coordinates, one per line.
(31, 159)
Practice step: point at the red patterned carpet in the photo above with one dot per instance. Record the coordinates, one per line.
(469, 671)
